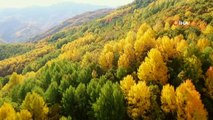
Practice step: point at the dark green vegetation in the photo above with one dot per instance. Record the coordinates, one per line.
(136, 63)
(11, 50)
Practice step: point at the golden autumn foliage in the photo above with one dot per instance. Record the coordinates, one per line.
(36, 105)
(124, 61)
(15, 79)
(168, 100)
(171, 48)
(145, 40)
(153, 68)
(203, 43)
(139, 100)
(129, 50)
(127, 53)
(158, 26)
(17, 63)
(86, 39)
(7, 112)
(73, 55)
(209, 81)
(74, 50)
(144, 46)
(115, 14)
(189, 104)
(167, 47)
(208, 30)
(166, 26)
(106, 57)
(142, 30)
(181, 46)
(119, 46)
(126, 84)
(131, 37)
(24, 115)
(106, 60)
(88, 58)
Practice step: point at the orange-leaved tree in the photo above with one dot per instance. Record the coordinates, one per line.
(189, 104)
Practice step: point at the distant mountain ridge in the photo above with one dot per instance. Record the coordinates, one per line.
(74, 21)
(18, 25)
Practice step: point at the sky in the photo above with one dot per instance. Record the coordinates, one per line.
(29, 3)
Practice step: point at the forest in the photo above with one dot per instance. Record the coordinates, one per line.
(135, 63)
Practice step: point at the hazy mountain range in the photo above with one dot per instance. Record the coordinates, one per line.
(17, 25)
(71, 22)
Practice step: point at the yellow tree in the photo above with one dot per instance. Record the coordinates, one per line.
(7, 112)
(182, 45)
(144, 43)
(208, 30)
(127, 56)
(142, 30)
(126, 84)
(153, 68)
(129, 50)
(158, 26)
(203, 43)
(106, 60)
(24, 115)
(166, 26)
(107, 57)
(139, 100)
(189, 104)
(167, 47)
(168, 100)
(131, 36)
(209, 81)
(36, 105)
(119, 46)
(123, 61)
(14, 80)
(88, 58)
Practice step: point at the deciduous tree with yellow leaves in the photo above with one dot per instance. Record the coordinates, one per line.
(123, 61)
(153, 68)
(167, 47)
(24, 115)
(36, 105)
(202, 43)
(145, 40)
(106, 57)
(139, 100)
(106, 60)
(7, 112)
(168, 100)
(126, 84)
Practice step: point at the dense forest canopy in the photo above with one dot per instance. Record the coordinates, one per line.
(151, 59)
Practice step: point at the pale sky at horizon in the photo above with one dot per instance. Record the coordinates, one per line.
(29, 3)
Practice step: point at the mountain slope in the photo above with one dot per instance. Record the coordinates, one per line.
(72, 22)
(18, 25)
(151, 59)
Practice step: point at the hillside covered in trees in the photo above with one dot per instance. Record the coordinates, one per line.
(148, 60)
